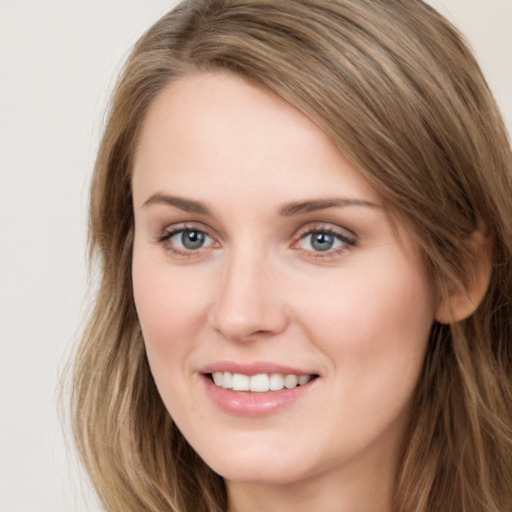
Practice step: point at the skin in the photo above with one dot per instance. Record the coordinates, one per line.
(357, 315)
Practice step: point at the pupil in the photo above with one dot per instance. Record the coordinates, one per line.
(192, 239)
(322, 242)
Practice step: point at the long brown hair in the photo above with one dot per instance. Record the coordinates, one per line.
(396, 88)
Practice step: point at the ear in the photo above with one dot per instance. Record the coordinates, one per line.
(462, 303)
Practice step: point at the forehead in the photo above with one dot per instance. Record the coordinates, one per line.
(208, 128)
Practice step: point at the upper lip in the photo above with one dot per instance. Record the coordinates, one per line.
(252, 368)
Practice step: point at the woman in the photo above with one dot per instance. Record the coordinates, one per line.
(303, 220)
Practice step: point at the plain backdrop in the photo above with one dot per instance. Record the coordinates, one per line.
(58, 59)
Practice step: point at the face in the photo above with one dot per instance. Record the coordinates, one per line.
(285, 318)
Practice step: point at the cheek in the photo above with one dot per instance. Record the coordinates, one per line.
(167, 307)
(375, 328)
(372, 307)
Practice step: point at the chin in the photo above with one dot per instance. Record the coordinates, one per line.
(258, 466)
(257, 473)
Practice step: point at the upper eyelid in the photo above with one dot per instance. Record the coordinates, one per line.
(184, 226)
(318, 227)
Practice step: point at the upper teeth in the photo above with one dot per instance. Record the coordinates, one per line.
(259, 383)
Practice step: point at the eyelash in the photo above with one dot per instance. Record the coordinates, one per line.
(167, 235)
(347, 242)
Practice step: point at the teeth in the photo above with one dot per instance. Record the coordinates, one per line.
(291, 381)
(304, 379)
(260, 383)
(218, 378)
(241, 382)
(276, 382)
(226, 380)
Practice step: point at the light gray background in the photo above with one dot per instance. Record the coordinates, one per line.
(57, 63)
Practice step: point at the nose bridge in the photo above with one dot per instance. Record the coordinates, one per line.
(248, 303)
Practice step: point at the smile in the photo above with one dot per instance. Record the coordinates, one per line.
(260, 383)
(256, 389)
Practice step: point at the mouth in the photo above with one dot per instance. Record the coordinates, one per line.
(259, 383)
(258, 388)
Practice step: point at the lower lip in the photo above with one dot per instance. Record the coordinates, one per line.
(245, 403)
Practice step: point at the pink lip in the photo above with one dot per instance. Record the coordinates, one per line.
(244, 403)
(253, 368)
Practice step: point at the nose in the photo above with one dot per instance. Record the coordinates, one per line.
(248, 303)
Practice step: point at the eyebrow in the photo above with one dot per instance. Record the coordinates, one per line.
(187, 205)
(288, 210)
(299, 207)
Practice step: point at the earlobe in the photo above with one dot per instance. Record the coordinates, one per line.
(463, 302)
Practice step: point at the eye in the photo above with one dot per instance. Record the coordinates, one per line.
(186, 240)
(324, 241)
